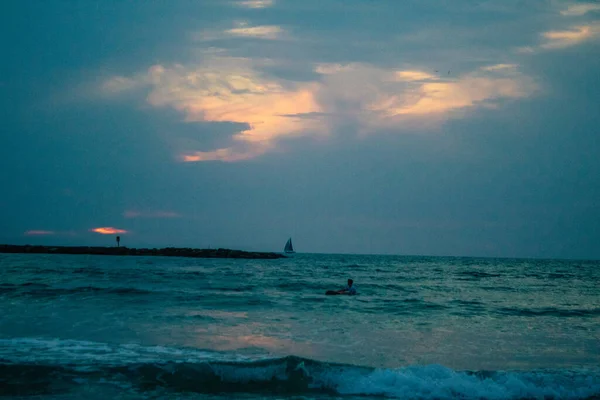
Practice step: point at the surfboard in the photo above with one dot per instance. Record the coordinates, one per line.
(332, 292)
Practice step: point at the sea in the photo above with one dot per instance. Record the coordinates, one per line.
(124, 327)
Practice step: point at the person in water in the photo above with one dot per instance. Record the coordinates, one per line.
(351, 290)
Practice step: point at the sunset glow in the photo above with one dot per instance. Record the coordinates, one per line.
(242, 123)
(107, 230)
(227, 89)
(39, 233)
(571, 37)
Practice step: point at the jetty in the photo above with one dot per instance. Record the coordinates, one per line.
(126, 251)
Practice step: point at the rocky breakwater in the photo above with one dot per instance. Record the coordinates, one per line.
(126, 251)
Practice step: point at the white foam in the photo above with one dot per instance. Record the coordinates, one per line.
(415, 382)
(438, 382)
(62, 351)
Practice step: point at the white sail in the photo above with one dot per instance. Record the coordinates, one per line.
(288, 246)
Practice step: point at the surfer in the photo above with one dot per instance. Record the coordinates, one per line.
(351, 290)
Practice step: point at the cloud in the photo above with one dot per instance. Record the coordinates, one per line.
(327, 69)
(108, 230)
(499, 67)
(229, 89)
(256, 3)
(261, 32)
(375, 98)
(468, 91)
(226, 154)
(579, 9)
(39, 233)
(560, 39)
(414, 76)
(241, 30)
(571, 37)
(310, 115)
(150, 214)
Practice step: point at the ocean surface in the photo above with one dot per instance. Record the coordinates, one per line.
(100, 327)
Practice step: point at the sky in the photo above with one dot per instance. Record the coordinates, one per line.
(460, 128)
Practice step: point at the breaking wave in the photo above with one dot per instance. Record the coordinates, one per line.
(57, 364)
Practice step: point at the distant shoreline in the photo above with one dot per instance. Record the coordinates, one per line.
(126, 251)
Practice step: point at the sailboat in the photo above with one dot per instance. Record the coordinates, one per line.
(288, 249)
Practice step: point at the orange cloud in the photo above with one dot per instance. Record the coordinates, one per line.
(384, 98)
(230, 90)
(571, 37)
(227, 89)
(39, 233)
(226, 154)
(436, 98)
(107, 230)
(414, 76)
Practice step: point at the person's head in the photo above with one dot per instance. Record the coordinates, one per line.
(350, 282)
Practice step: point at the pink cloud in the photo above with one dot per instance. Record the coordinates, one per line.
(570, 37)
(35, 232)
(108, 230)
(230, 89)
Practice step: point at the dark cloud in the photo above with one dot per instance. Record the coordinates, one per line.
(506, 166)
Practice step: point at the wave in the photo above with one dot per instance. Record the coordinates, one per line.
(418, 304)
(33, 289)
(550, 312)
(57, 363)
(499, 288)
(561, 275)
(477, 274)
(246, 288)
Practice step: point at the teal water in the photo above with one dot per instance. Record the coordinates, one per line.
(420, 327)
